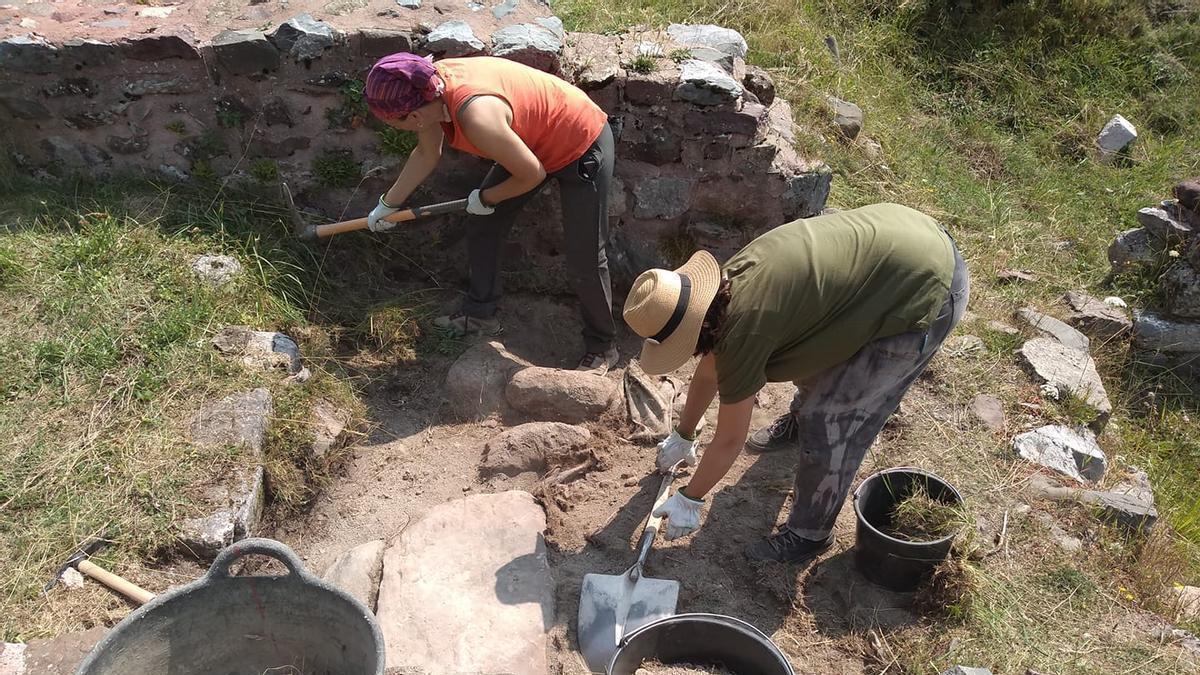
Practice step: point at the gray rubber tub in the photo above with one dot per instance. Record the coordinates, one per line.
(293, 624)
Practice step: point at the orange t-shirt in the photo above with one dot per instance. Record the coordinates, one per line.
(555, 119)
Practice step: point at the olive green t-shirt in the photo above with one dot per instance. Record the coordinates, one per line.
(809, 294)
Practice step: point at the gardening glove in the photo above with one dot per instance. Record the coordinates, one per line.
(375, 220)
(475, 205)
(675, 449)
(682, 514)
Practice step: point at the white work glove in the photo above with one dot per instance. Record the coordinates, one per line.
(682, 514)
(475, 205)
(375, 220)
(675, 449)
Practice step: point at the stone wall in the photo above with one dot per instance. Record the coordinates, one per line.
(255, 92)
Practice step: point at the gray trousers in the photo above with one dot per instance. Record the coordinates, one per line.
(840, 411)
(583, 186)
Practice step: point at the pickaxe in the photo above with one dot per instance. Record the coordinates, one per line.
(80, 560)
(307, 232)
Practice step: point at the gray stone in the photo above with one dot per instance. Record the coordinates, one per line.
(1070, 371)
(328, 429)
(1072, 452)
(23, 108)
(806, 193)
(706, 35)
(12, 658)
(234, 501)
(112, 24)
(159, 85)
(376, 43)
(409, 4)
(1187, 601)
(27, 54)
(1096, 318)
(704, 83)
(966, 670)
(70, 86)
(159, 47)
(569, 396)
(1181, 286)
(358, 572)
(1052, 328)
(1158, 333)
(303, 38)
(1003, 328)
(989, 410)
(261, 349)
(1116, 135)
(70, 578)
(173, 173)
(1129, 505)
(758, 82)
(60, 655)
(664, 198)
(530, 44)
(717, 239)
(468, 589)
(128, 145)
(1162, 225)
(535, 446)
(713, 56)
(847, 116)
(504, 8)
(453, 38)
(720, 122)
(245, 52)
(1134, 248)
(215, 269)
(65, 154)
(475, 383)
(1188, 194)
(552, 24)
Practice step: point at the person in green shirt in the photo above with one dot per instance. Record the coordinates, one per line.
(851, 307)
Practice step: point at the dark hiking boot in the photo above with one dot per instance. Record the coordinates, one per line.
(459, 324)
(788, 547)
(783, 434)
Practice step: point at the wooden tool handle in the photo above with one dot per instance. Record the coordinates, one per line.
(132, 591)
(654, 522)
(397, 217)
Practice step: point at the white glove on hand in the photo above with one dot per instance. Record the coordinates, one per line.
(375, 220)
(675, 449)
(475, 205)
(682, 514)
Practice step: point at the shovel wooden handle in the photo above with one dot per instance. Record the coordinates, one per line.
(132, 591)
(654, 522)
(397, 217)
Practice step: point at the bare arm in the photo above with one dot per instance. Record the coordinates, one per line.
(487, 124)
(733, 424)
(421, 162)
(700, 395)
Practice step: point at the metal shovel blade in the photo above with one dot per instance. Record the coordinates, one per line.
(612, 605)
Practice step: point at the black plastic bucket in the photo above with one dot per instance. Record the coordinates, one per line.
(701, 639)
(245, 625)
(885, 560)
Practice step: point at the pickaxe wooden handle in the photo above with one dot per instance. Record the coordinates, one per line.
(130, 590)
(322, 231)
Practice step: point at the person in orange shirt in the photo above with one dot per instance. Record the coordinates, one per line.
(535, 127)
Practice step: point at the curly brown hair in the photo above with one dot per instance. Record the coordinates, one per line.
(714, 320)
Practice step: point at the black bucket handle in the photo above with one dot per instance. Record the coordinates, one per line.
(261, 546)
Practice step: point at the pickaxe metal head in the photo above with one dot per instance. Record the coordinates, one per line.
(302, 231)
(82, 553)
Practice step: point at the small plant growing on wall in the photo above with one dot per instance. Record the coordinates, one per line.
(336, 169)
(680, 55)
(353, 111)
(176, 127)
(643, 63)
(264, 170)
(397, 142)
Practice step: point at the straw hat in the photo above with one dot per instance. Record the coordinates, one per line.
(667, 308)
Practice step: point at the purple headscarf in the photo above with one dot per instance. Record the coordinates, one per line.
(400, 83)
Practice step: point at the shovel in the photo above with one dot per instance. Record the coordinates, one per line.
(612, 605)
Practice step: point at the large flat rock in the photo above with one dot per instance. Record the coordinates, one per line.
(569, 396)
(467, 589)
(1162, 334)
(1071, 371)
(476, 381)
(1071, 452)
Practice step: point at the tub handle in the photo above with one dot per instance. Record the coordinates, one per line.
(261, 546)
